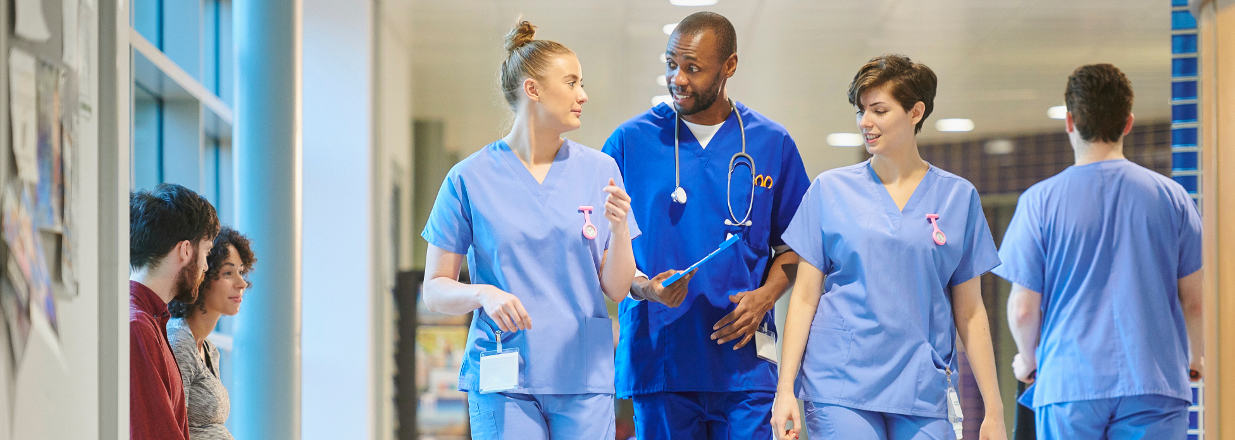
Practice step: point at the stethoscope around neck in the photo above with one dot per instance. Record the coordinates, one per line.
(679, 194)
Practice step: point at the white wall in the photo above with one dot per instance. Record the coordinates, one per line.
(392, 96)
(338, 226)
(357, 148)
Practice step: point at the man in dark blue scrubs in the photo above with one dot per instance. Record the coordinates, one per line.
(698, 356)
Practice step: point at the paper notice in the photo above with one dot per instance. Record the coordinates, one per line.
(30, 22)
(69, 15)
(24, 114)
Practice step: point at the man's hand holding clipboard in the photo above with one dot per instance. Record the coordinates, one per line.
(669, 287)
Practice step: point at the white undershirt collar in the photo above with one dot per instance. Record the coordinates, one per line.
(703, 133)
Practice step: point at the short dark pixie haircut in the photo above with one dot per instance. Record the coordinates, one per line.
(161, 218)
(218, 255)
(908, 82)
(700, 22)
(1099, 96)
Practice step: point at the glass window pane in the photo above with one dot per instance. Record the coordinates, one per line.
(147, 15)
(147, 135)
(210, 45)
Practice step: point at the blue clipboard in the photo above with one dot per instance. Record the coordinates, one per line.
(732, 239)
(1026, 398)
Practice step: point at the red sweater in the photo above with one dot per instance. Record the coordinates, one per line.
(156, 394)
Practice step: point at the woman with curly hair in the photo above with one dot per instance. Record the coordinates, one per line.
(220, 293)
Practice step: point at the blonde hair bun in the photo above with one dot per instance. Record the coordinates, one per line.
(522, 34)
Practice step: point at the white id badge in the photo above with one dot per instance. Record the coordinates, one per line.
(765, 344)
(499, 369)
(954, 410)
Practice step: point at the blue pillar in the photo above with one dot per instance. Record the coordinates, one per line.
(1185, 143)
(265, 398)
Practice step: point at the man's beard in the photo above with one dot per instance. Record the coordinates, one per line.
(703, 101)
(188, 281)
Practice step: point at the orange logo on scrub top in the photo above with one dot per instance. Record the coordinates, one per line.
(764, 181)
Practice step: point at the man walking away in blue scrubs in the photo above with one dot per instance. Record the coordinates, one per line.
(1105, 261)
(697, 357)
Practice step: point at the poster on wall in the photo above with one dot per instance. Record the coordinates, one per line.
(22, 113)
(25, 249)
(442, 408)
(50, 186)
(15, 302)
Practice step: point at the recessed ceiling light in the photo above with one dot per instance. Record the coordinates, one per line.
(692, 2)
(999, 147)
(669, 28)
(663, 58)
(1057, 112)
(660, 81)
(845, 140)
(954, 125)
(662, 98)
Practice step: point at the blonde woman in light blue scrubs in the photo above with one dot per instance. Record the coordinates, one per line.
(892, 250)
(545, 226)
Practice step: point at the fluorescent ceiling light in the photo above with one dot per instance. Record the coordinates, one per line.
(954, 125)
(1057, 112)
(662, 98)
(845, 140)
(999, 147)
(692, 2)
(669, 28)
(660, 81)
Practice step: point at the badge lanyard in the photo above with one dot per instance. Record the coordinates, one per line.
(954, 408)
(765, 342)
(499, 369)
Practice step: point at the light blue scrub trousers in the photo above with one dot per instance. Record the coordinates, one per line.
(541, 416)
(1148, 416)
(835, 422)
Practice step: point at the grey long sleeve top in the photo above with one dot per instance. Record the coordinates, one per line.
(204, 393)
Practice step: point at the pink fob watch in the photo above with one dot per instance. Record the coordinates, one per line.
(589, 230)
(940, 239)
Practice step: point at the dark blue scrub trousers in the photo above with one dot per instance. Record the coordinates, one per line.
(740, 415)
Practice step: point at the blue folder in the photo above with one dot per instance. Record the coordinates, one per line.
(732, 239)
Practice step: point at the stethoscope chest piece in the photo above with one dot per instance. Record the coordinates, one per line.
(679, 196)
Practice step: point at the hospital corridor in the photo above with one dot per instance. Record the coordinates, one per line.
(617, 220)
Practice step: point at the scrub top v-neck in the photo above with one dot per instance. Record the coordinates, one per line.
(670, 349)
(882, 336)
(525, 237)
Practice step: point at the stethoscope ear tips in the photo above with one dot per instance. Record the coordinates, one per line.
(679, 195)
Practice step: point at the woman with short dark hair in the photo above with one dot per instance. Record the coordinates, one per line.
(220, 293)
(892, 251)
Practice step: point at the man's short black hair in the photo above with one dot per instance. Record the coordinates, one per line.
(1099, 96)
(699, 22)
(161, 218)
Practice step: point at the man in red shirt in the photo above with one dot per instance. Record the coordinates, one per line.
(171, 230)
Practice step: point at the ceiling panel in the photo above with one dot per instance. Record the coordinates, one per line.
(1001, 63)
